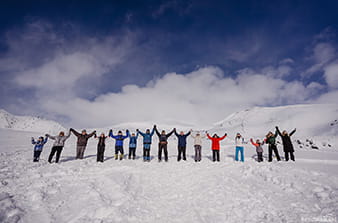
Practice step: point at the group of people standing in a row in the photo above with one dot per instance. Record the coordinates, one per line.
(82, 139)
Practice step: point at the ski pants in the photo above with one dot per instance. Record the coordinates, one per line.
(260, 156)
(181, 152)
(239, 149)
(162, 146)
(273, 148)
(146, 154)
(80, 151)
(57, 150)
(36, 156)
(198, 156)
(292, 156)
(215, 155)
(100, 153)
(132, 152)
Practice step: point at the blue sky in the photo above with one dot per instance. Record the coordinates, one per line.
(89, 52)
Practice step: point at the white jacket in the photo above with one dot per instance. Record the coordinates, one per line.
(239, 141)
(198, 139)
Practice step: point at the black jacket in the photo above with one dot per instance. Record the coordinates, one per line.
(287, 144)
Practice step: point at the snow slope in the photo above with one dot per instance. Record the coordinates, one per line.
(134, 191)
(316, 123)
(27, 123)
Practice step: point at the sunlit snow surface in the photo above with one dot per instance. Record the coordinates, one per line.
(134, 191)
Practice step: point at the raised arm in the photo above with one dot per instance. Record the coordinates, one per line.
(152, 132)
(188, 133)
(45, 140)
(33, 141)
(209, 137)
(75, 132)
(175, 132)
(51, 137)
(170, 133)
(277, 132)
(293, 132)
(223, 137)
(67, 136)
(157, 132)
(127, 134)
(141, 133)
(91, 134)
(253, 143)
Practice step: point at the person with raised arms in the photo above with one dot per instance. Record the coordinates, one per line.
(132, 145)
(59, 143)
(182, 144)
(147, 139)
(82, 140)
(38, 146)
(198, 146)
(119, 142)
(215, 145)
(287, 144)
(271, 141)
(163, 143)
(101, 146)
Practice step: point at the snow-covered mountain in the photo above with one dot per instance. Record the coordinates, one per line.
(314, 122)
(310, 120)
(28, 123)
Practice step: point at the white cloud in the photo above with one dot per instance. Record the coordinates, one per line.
(331, 75)
(201, 97)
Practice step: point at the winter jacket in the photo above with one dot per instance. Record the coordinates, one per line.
(239, 142)
(272, 139)
(163, 139)
(102, 140)
(39, 144)
(119, 138)
(82, 139)
(182, 139)
(59, 140)
(259, 148)
(287, 144)
(198, 139)
(133, 141)
(147, 136)
(215, 142)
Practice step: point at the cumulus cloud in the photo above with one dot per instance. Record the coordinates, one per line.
(201, 97)
(331, 75)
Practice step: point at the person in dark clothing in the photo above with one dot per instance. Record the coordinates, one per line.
(59, 142)
(147, 138)
(38, 146)
(271, 141)
(287, 144)
(163, 143)
(182, 144)
(101, 145)
(82, 139)
(119, 142)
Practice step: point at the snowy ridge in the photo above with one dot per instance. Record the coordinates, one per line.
(28, 123)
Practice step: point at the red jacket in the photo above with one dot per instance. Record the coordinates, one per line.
(215, 142)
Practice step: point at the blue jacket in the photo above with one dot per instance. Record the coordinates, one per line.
(182, 139)
(119, 138)
(147, 136)
(133, 141)
(39, 144)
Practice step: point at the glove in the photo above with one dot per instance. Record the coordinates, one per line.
(137, 130)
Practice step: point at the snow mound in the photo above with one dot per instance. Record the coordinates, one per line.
(28, 123)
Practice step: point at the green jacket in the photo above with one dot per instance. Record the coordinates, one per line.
(272, 139)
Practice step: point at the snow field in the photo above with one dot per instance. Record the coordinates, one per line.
(134, 191)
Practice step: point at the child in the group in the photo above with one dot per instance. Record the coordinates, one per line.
(147, 138)
(101, 145)
(59, 142)
(198, 146)
(259, 149)
(215, 145)
(119, 143)
(239, 140)
(132, 145)
(38, 147)
(287, 144)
